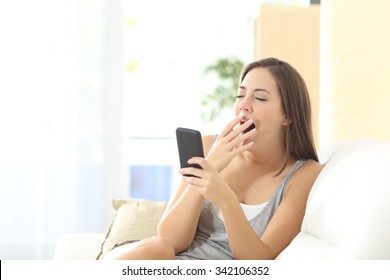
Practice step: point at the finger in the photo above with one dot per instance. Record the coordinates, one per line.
(234, 137)
(242, 148)
(194, 181)
(241, 128)
(230, 126)
(205, 164)
(191, 171)
(234, 129)
(243, 136)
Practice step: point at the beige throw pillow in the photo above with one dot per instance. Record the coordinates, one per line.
(133, 219)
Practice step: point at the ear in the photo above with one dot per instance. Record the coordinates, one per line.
(286, 121)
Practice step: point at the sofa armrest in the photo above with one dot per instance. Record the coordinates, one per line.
(79, 246)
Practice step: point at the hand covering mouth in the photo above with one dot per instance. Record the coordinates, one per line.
(252, 126)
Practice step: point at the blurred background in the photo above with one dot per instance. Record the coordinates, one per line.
(91, 92)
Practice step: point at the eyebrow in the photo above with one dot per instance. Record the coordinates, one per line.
(256, 89)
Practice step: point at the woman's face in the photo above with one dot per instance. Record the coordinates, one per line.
(259, 99)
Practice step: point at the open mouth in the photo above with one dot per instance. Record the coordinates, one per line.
(252, 126)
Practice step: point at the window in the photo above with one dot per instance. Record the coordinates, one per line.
(168, 44)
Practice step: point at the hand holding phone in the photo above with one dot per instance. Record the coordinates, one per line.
(189, 143)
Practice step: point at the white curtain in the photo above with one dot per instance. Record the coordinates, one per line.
(60, 121)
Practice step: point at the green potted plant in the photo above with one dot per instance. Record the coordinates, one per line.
(226, 71)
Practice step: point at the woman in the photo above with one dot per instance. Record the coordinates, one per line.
(249, 198)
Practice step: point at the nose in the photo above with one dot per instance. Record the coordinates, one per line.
(245, 104)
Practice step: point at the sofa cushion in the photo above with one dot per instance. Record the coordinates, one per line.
(327, 199)
(308, 247)
(346, 214)
(133, 219)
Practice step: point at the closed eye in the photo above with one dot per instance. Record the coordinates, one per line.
(257, 98)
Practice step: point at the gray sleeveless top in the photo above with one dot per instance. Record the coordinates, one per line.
(211, 241)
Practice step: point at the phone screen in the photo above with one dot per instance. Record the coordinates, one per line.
(189, 143)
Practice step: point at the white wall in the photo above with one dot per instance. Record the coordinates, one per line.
(355, 69)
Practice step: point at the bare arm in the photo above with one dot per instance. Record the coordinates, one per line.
(283, 227)
(179, 222)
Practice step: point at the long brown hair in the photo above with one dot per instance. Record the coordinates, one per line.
(299, 141)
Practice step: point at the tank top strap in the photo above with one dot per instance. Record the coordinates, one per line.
(290, 173)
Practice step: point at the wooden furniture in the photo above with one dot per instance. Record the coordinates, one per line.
(293, 34)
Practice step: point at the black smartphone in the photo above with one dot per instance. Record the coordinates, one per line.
(189, 144)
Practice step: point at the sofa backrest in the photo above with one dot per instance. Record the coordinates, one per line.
(348, 207)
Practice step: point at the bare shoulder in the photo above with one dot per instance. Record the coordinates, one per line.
(306, 175)
(310, 168)
(287, 220)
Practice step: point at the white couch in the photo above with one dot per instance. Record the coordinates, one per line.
(346, 215)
